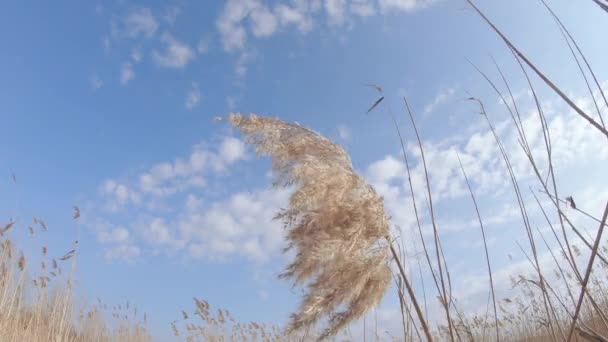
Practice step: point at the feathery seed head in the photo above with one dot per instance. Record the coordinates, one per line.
(336, 223)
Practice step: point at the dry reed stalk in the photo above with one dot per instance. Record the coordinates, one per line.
(335, 222)
(445, 301)
(423, 319)
(602, 5)
(521, 204)
(485, 246)
(540, 74)
(568, 39)
(596, 245)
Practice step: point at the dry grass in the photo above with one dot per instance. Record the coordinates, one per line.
(36, 304)
(336, 223)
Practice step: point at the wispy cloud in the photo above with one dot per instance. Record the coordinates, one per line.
(240, 20)
(136, 55)
(344, 132)
(572, 144)
(106, 43)
(441, 98)
(242, 63)
(127, 73)
(193, 98)
(126, 253)
(387, 6)
(204, 44)
(139, 22)
(363, 8)
(239, 225)
(175, 55)
(171, 15)
(95, 82)
(258, 18)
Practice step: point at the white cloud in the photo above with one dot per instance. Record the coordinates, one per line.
(203, 44)
(118, 195)
(336, 11)
(386, 169)
(146, 196)
(239, 18)
(171, 15)
(238, 225)
(193, 98)
(136, 55)
(573, 142)
(298, 16)
(442, 96)
(123, 252)
(264, 22)
(175, 55)
(231, 102)
(158, 233)
(106, 43)
(230, 25)
(169, 178)
(95, 82)
(242, 19)
(363, 8)
(126, 73)
(241, 225)
(118, 235)
(403, 5)
(242, 63)
(232, 149)
(344, 132)
(140, 22)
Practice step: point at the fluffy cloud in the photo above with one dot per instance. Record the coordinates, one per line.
(168, 178)
(344, 132)
(117, 235)
(363, 8)
(336, 11)
(171, 15)
(573, 143)
(240, 18)
(175, 55)
(440, 99)
(126, 253)
(118, 195)
(144, 195)
(264, 22)
(139, 22)
(193, 97)
(127, 73)
(136, 55)
(203, 44)
(95, 82)
(403, 5)
(241, 225)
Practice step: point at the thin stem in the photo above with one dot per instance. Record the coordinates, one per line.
(558, 91)
(596, 245)
(485, 245)
(410, 291)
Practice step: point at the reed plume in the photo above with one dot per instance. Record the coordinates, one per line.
(335, 223)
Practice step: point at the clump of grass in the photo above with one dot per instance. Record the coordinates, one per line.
(210, 324)
(38, 304)
(336, 223)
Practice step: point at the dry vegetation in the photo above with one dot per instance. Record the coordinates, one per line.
(37, 302)
(339, 233)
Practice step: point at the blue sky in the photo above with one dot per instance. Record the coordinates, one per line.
(108, 106)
